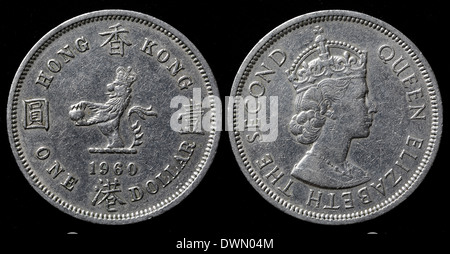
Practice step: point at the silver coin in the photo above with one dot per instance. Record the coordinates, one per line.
(337, 117)
(111, 117)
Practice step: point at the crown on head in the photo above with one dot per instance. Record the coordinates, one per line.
(125, 75)
(326, 59)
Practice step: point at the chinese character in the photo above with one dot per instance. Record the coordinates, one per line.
(115, 40)
(36, 114)
(108, 194)
(191, 118)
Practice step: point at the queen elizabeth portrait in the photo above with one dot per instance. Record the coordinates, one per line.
(331, 108)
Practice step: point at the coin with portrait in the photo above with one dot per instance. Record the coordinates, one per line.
(356, 122)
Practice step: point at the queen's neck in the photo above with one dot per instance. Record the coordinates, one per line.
(332, 145)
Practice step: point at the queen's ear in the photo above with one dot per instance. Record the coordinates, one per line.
(326, 109)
